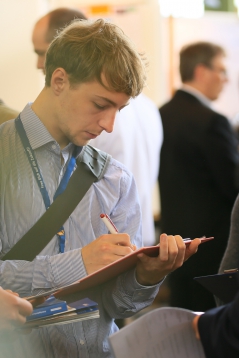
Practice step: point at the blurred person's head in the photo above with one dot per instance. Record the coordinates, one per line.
(96, 51)
(47, 28)
(202, 66)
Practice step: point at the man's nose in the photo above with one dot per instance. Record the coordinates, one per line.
(107, 122)
(40, 63)
(226, 79)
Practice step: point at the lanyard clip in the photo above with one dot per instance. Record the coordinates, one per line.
(61, 232)
(61, 235)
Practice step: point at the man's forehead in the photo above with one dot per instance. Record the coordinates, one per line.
(39, 33)
(112, 102)
(221, 59)
(103, 92)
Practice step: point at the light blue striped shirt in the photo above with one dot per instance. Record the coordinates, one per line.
(21, 205)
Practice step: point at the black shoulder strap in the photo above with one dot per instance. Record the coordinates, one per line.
(91, 166)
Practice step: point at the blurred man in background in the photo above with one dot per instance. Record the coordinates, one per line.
(199, 159)
(46, 29)
(135, 143)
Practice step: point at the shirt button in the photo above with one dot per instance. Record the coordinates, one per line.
(53, 146)
(82, 342)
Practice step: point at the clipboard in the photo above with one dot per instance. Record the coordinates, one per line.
(224, 286)
(106, 273)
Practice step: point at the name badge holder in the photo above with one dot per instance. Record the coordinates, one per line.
(39, 178)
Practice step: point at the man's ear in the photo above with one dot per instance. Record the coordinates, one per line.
(200, 72)
(59, 80)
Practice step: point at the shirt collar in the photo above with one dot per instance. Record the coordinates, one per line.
(193, 91)
(36, 132)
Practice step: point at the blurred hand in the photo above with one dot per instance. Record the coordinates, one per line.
(195, 326)
(13, 310)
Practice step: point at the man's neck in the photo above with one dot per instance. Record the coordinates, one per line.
(195, 91)
(45, 108)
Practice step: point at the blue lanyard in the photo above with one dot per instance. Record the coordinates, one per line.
(38, 176)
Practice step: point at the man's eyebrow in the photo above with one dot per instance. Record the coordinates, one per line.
(112, 102)
(107, 100)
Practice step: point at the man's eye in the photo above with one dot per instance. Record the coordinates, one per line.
(98, 106)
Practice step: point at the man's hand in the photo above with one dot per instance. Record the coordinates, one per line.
(195, 326)
(13, 310)
(172, 254)
(105, 250)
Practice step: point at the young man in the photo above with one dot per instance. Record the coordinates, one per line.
(199, 159)
(142, 137)
(92, 70)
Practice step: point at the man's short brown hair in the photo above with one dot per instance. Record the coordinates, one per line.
(87, 49)
(199, 53)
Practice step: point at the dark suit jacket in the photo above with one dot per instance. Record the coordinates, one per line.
(198, 162)
(219, 331)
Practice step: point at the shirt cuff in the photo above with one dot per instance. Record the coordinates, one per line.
(134, 289)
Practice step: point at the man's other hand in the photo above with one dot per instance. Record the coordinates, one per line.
(172, 254)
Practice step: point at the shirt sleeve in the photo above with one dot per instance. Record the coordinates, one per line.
(125, 296)
(45, 272)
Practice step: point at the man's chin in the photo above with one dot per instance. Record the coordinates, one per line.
(214, 96)
(81, 143)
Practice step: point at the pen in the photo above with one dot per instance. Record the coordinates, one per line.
(204, 238)
(109, 224)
